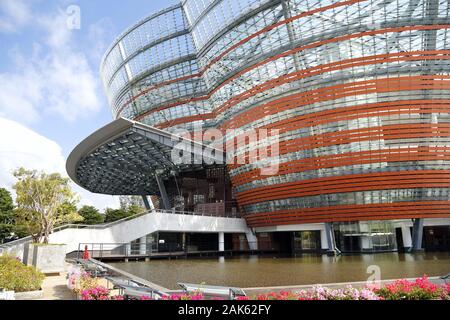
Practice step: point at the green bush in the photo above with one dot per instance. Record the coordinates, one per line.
(15, 276)
(112, 215)
(91, 215)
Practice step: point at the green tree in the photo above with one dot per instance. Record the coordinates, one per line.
(67, 213)
(6, 214)
(112, 215)
(43, 202)
(129, 201)
(91, 215)
(135, 209)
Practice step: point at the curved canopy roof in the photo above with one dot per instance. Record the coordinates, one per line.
(123, 157)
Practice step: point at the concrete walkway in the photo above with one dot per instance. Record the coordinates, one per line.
(55, 288)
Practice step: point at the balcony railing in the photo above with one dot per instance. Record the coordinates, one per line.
(111, 224)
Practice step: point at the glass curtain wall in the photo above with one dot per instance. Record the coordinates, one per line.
(366, 236)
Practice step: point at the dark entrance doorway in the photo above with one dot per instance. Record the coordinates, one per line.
(202, 241)
(437, 238)
(399, 237)
(351, 243)
(282, 241)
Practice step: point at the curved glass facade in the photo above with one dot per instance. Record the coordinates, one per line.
(359, 91)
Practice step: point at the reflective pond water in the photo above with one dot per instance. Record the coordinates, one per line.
(255, 271)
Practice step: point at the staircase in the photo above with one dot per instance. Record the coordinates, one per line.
(136, 227)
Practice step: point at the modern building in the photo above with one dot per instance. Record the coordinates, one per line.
(355, 96)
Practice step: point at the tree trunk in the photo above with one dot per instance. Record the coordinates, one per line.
(46, 231)
(37, 237)
(46, 236)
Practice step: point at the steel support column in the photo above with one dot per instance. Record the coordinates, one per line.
(417, 235)
(330, 239)
(147, 205)
(163, 192)
(291, 32)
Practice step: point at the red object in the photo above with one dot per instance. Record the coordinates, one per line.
(86, 253)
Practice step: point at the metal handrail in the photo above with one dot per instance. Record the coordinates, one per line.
(77, 226)
(150, 248)
(108, 225)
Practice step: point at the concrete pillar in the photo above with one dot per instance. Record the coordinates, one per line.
(221, 242)
(324, 239)
(241, 243)
(406, 236)
(417, 235)
(143, 246)
(183, 242)
(128, 249)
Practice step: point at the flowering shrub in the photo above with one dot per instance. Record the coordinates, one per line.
(87, 282)
(96, 293)
(420, 289)
(283, 295)
(319, 293)
(74, 277)
(195, 296)
(446, 292)
(348, 293)
(101, 293)
(79, 282)
(87, 287)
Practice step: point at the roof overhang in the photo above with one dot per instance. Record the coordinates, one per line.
(123, 157)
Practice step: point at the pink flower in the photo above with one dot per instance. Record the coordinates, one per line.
(184, 297)
(98, 293)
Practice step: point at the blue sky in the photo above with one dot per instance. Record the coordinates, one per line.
(50, 92)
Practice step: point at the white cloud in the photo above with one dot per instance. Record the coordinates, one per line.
(14, 14)
(19, 95)
(97, 33)
(54, 79)
(22, 147)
